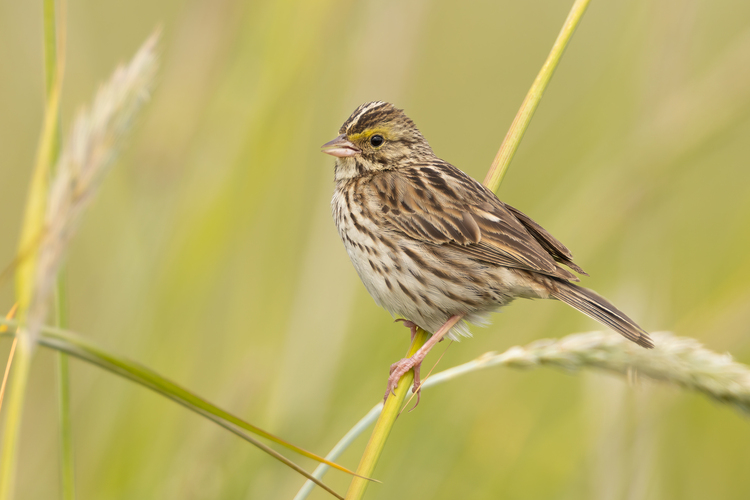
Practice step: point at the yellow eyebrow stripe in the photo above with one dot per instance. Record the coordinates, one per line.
(370, 132)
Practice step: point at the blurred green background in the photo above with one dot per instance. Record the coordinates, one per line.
(211, 256)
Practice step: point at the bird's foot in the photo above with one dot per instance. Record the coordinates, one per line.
(398, 370)
(410, 325)
(415, 361)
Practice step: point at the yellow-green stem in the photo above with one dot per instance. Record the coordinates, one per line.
(384, 425)
(494, 178)
(67, 469)
(31, 230)
(61, 302)
(32, 227)
(20, 376)
(523, 117)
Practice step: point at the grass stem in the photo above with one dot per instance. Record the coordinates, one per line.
(31, 229)
(494, 178)
(67, 469)
(531, 101)
(384, 425)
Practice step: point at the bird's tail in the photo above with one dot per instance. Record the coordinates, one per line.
(597, 307)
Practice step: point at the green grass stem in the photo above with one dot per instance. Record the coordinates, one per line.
(31, 229)
(67, 469)
(531, 101)
(494, 178)
(17, 386)
(383, 427)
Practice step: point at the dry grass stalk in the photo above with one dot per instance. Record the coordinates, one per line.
(678, 360)
(96, 138)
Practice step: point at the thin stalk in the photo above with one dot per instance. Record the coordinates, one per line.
(33, 224)
(4, 328)
(76, 346)
(18, 382)
(384, 425)
(340, 447)
(523, 117)
(494, 178)
(67, 469)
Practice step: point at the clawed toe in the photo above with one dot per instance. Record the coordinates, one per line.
(407, 323)
(391, 389)
(398, 370)
(417, 387)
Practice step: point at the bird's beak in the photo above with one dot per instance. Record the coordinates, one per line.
(340, 147)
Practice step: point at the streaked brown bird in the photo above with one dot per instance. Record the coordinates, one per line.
(434, 246)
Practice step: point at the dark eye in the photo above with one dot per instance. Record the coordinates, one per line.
(377, 140)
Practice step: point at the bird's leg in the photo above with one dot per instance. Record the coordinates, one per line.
(410, 325)
(399, 368)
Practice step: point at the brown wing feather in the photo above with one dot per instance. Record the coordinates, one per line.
(440, 205)
(558, 251)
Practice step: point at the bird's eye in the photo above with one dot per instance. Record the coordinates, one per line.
(377, 140)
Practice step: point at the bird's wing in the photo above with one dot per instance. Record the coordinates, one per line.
(438, 204)
(555, 248)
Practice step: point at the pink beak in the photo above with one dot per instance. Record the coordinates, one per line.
(340, 147)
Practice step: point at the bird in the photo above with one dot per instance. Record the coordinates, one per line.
(437, 248)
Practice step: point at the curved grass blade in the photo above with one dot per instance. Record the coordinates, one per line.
(61, 345)
(75, 345)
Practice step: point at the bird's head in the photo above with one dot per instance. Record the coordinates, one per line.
(377, 136)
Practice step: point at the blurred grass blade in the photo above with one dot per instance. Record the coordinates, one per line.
(53, 57)
(75, 345)
(26, 273)
(3, 329)
(36, 203)
(531, 101)
(19, 379)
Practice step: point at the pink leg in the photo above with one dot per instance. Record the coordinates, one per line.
(399, 368)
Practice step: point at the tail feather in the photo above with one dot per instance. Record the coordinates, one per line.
(597, 307)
